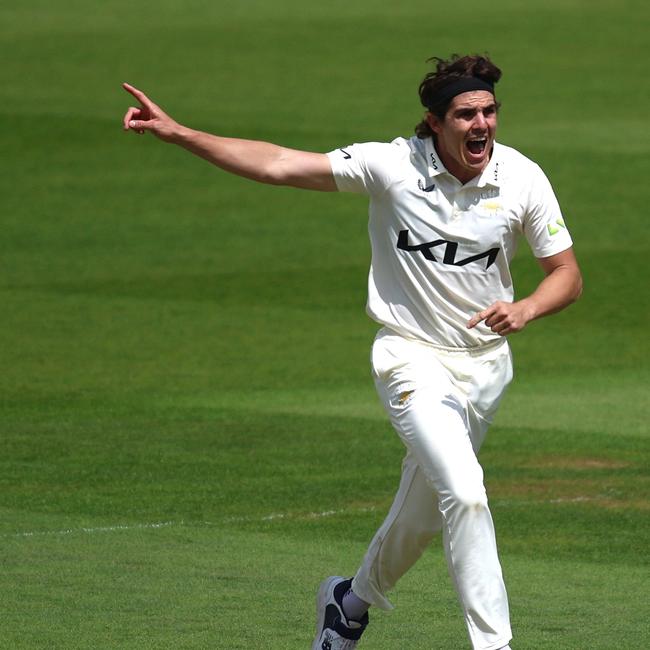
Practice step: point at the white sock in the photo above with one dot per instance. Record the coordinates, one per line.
(353, 607)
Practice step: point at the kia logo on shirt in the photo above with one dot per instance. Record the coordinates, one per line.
(451, 248)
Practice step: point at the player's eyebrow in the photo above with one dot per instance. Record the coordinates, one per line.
(470, 109)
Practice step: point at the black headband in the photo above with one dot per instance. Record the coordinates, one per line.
(462, 85)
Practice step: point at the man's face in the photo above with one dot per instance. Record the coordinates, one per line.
(466, 136)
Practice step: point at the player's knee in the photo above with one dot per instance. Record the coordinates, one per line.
(469, 499)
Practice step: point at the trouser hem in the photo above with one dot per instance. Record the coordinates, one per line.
(372, 596)
(497, 645)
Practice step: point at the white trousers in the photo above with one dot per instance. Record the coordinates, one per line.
(441, 403)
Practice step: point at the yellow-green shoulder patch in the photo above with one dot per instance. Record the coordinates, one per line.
(553, 229)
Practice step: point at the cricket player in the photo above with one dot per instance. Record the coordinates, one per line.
(446, 210)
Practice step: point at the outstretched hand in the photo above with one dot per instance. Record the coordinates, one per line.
(148, 117)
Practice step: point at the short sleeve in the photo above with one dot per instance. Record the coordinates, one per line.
(544, 225)
(365, 168)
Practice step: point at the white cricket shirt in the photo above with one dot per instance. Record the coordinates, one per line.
(441, 250)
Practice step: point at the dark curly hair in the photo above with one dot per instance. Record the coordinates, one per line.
(447, 71)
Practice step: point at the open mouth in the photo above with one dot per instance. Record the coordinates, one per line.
(477, 146)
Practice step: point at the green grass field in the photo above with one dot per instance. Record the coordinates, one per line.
(190, 439)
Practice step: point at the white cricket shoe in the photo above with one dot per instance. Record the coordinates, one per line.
(333, 630)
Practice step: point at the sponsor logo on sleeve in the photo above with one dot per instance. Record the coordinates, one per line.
(554, 228)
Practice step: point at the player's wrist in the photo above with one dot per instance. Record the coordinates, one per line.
(183, 135)
(529, 309)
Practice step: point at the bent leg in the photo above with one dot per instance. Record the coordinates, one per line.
(430, 415)
(411, 523)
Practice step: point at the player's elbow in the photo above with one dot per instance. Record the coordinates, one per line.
(577, 288)
(572, 281)
(578, 284)
(271, 175)
(277, 168)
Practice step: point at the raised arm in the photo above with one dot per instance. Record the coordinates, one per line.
(259, 161)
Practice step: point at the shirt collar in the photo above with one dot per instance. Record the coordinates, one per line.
(491, 175)
(434, 163)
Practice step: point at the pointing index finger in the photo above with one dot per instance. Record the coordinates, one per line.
(478, 317)
(138, 94)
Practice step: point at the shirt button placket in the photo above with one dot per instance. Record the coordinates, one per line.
(455, 212)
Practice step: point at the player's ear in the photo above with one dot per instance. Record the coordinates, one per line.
(433, 122)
